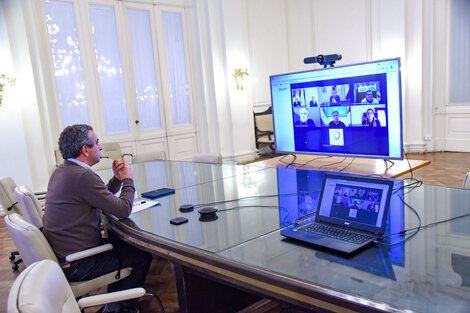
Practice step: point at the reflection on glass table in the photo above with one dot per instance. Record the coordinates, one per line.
(427, 273)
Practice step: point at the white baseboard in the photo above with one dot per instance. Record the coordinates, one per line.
(241, 157)
(415, 148)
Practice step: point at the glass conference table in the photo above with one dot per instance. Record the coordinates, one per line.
(243, 249)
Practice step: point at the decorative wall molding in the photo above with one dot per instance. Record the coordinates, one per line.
(415, 148)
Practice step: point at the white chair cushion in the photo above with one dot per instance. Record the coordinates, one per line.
(42, 288)
(29, 206)
(29, 240)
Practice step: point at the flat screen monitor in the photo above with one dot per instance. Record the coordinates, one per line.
(353, 110)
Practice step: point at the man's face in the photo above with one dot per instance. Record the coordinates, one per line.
(333, 93)
(308, 202)
(303, 115)
(369, 96)
(336, 116)
(94, 153)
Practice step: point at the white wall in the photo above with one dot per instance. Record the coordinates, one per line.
(267, 37)
(20, 28)
(281, 33)
(14, 160)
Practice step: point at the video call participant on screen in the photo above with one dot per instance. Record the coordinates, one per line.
(334, 98)
(313, 102)
(370, 119)
(354, 206)
(304, 120)
(297, 102)
(370, 98)
(339, 201)
(336, 123)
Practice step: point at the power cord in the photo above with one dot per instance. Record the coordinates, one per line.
(254, 197)
(339, 162)
(417, 229)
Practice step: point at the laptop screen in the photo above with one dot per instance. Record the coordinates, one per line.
(357, 202)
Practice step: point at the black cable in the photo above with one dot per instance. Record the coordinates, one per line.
(11, 206)
(259, 206)
(251, 197)
(403, 232)
(250, 206)
(409, 165)
(314, 159)
(339, 162)
(288, 164)
(268, 233)
(302, 164)
(347, 165)
(412, 185)
(303, 217)
(158, 299)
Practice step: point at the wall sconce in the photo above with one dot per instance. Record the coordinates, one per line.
(239, 74)
(3, 81)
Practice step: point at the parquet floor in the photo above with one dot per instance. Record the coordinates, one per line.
(446, 168)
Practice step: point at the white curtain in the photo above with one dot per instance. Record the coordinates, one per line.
(176, 60)
(460, 52)
(67, 65)
(144, 69)
(109, 68)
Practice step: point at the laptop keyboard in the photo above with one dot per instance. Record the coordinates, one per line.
(336, 232)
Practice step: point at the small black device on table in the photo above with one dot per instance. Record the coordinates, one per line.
(157, 193)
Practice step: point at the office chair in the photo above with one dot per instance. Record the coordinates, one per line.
(43, 288)
(29, 206)
(58, 157)
(264, 129)
(33, 246)
(149, 156)
(10, 205)
(466, 181)
(103, 164)
(208, 158)
(111, 150)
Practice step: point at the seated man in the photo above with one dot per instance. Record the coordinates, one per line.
(369, 99)
(334, 98)
(336, 123)
(304, 120)
(313, 102)
(75, 199)
(297, 102)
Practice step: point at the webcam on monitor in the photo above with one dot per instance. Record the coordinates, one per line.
(324, 60)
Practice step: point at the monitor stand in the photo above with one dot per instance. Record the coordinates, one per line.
(386, 164)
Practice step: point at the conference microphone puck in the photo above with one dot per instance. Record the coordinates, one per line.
(208, 214)
(185, 208)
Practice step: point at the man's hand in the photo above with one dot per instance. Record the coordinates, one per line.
(122, 170)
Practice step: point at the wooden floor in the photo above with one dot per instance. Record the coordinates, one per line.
(446, 168)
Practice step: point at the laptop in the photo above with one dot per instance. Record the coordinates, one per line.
(352, 212)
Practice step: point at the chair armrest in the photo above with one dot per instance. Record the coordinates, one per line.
(88, 252)
(41, 195)
(111, 297)
(264, 132)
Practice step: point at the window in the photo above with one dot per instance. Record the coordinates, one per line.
(67, 65)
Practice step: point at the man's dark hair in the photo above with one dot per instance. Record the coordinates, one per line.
(73, 138)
